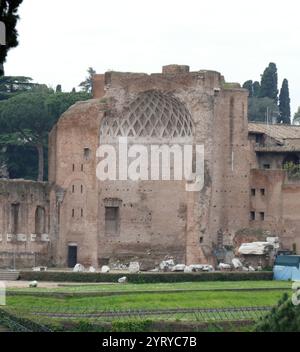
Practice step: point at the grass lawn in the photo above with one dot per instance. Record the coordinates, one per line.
(158, 300)
(162, 286)
(207, 295)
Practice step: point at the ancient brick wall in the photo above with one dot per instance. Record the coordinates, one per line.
(74, 195)
(24, 224)
(154, 218)
(277, 198)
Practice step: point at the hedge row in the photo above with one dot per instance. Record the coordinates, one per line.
(145, 277)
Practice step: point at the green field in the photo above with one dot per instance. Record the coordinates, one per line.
(213, 285)
(125, 297)
(209, 299)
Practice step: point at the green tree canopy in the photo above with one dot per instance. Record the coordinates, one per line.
(256, 89)
(58, 89)
(9, 16)
(283, 318)
(249, 86)
(27, 118)
(87, 84)
(262, 108)
(252, 87)
(269, 83)
(28, 122)
(297, 116)
(285, 103)
(13, 85)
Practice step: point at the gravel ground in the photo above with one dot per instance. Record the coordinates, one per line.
(44, 284)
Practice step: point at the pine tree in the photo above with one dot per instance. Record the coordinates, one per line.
(269, 83)
(9, 16)
(58, 88)
(284, 103)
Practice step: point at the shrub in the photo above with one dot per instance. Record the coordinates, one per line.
(293, 170)
(283, 318)
(145, 277)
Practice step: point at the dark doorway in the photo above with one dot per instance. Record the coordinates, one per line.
(72, 256)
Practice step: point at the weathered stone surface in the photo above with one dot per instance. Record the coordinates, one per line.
(78, 268)
(237, 263)
(134, 267)
(223, 266)
(105, 269)
(122, 280)
(178, 267)
(167, 265)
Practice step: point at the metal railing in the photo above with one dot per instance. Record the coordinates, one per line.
(195, 314)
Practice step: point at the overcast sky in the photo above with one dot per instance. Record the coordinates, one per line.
(60, 39)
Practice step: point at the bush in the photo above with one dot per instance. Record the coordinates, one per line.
(293, 170)
(144, 277)
(283, 318)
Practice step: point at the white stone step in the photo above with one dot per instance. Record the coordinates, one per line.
(6, 275)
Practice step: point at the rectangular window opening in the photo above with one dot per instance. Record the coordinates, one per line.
(15, 209)
(86, 153)
(112, 218)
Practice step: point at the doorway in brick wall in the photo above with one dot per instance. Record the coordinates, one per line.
(72, 255)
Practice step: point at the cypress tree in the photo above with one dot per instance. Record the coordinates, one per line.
(249, 86)
(269, 83)
(284, 103)
(58, 88)
(256, 89)
(9, 16)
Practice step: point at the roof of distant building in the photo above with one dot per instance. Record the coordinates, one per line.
(287, 136)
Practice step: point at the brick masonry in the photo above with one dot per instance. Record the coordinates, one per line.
(156, 219)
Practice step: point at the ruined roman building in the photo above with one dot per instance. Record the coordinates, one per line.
(76, 217)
